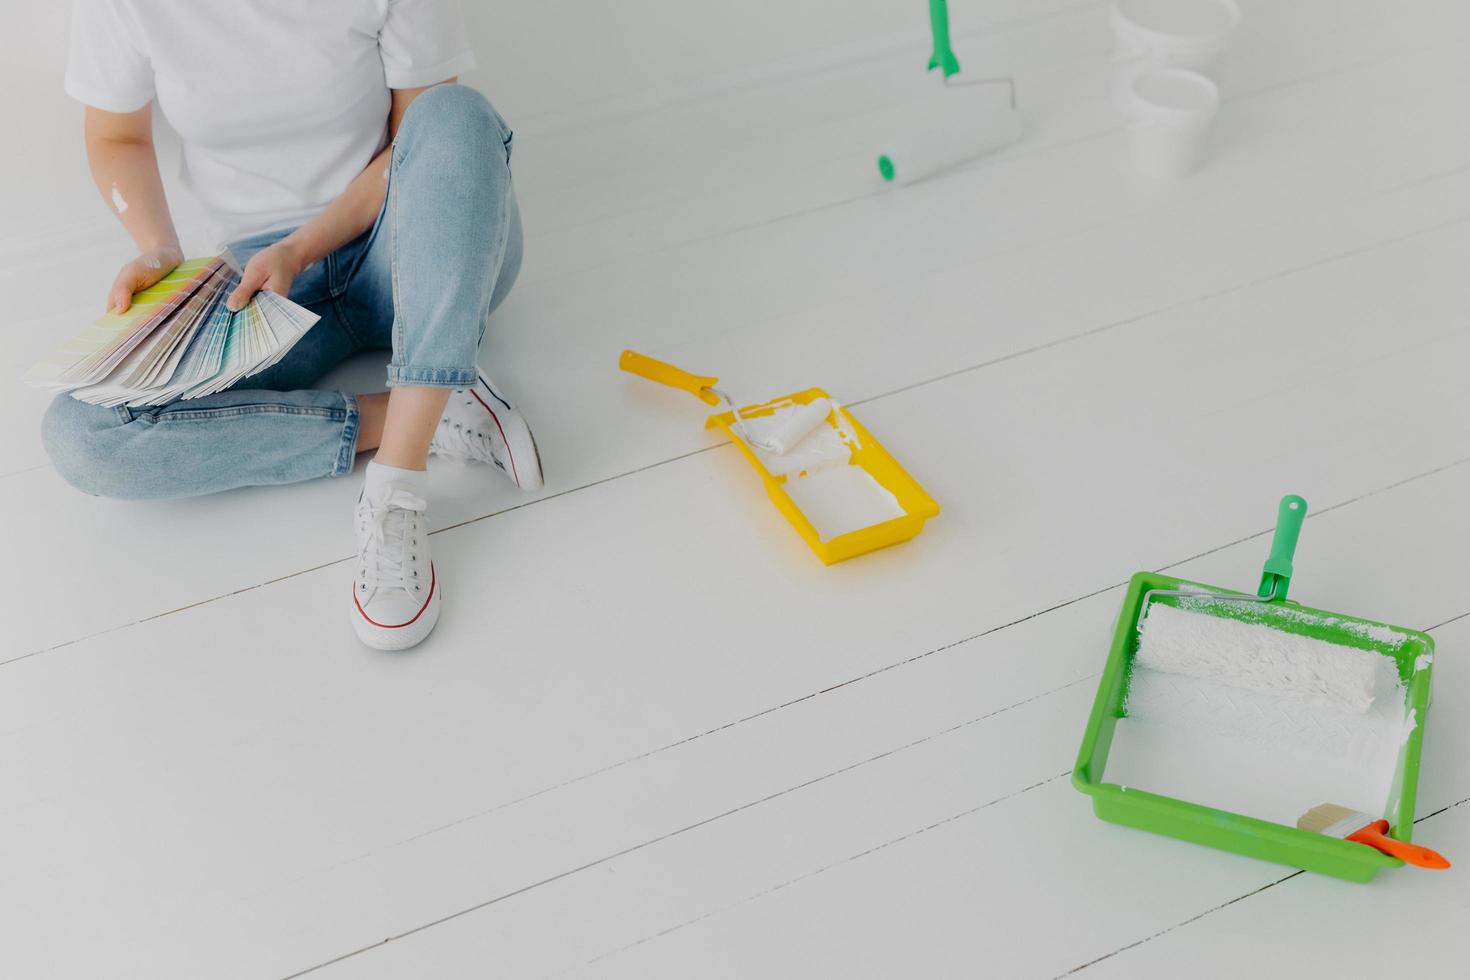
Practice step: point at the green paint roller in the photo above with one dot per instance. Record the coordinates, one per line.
(965, 119)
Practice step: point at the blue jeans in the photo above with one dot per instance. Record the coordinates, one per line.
(443, 253)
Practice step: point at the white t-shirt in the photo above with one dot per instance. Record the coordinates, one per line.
(279, 103)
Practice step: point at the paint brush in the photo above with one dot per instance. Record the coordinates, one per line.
(1333, 820)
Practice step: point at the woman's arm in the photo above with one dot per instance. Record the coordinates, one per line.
(125, 169)
(351, 214)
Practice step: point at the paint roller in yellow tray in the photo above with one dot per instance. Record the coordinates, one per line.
(824, 472)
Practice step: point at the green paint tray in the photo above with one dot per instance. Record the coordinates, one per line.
(1283, 844)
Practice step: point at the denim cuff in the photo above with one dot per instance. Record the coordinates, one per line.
(347, 454)
(431, 377)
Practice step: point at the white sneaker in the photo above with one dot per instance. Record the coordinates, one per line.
(481, 424)
(396, 595)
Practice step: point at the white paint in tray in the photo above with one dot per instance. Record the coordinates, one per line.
(841, 499)
(837, 496)
(1270, 754)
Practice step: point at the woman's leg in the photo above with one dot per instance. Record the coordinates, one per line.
(411, 416)
(231, 439)
(372, 412)
(423, 282)
(445, 253)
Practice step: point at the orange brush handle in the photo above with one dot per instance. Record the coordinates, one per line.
(1375, 835)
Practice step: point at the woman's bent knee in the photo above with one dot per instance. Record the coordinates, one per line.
(464, 117)
(77, 437)
(457, 106)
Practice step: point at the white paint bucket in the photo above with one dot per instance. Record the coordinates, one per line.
(1173, 112)
(1152, 34)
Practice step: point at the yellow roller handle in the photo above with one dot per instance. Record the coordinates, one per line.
(666, 374)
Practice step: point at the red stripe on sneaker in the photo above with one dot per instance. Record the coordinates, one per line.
(433, 583)
(503, 439)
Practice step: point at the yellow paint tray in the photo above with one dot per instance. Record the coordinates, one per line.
(867, 454)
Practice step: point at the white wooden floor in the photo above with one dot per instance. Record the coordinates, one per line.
(653, 736)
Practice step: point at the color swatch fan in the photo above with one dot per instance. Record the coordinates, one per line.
(178, 340)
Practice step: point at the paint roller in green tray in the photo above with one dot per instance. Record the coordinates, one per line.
(963, 119)
(1411, 652)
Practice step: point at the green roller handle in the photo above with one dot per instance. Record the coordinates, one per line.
(943, 56)
(1276, 574)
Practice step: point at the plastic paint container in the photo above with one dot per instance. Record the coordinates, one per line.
(1412, 656)
(1172, 111)
(1167, 34)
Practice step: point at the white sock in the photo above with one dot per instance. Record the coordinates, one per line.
(381, 476)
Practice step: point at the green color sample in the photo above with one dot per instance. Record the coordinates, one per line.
(1231, 831)
(885, 166)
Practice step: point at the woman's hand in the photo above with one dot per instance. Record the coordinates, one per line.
(273, 267)
(141, 273)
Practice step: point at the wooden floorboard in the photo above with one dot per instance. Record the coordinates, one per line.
(652, 736)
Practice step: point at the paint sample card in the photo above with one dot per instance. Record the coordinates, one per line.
(178, 340)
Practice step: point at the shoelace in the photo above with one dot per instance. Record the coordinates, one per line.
(456, 441)
(390, 534)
